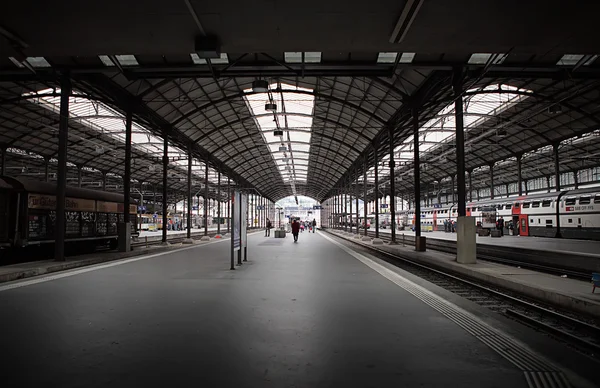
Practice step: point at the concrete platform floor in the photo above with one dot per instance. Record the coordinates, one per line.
(526, 242)
(296, 315)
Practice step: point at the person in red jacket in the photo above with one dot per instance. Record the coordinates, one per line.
(295, 229)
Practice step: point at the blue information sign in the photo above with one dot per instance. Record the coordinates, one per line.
(317, 207)
(383, 206)
(260, 207)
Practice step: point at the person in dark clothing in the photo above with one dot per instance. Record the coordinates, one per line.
(268, 228)
(501, 226)
(295, 230)
(314, 225)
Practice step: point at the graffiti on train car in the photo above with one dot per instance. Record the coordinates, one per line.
(38, 201)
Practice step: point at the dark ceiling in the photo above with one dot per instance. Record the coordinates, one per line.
(356, 98)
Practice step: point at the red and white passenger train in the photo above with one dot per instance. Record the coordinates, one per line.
(570, 214)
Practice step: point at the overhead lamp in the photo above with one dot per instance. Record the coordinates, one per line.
(554, 109)
(208, 47)
(282, 149)
(278, 132)
(270, 107)
(260, 86)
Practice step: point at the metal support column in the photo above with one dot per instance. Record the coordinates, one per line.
(219, 202)
(164, 187)
(356, 194)
(61, 177)
(470, 185)
(228, 204)
(376, 191)
(3, 167)
(206, 198)
(557, 182)
(47, 173)
(125, 228)
(392, 205)
(351, 214)
(365, 196)
(417, 171)
(345, 211)
(189, 195)
(460, 144)
(79, 167)
(492, 181)
(556, 167)
(519, 175)
(576, 179)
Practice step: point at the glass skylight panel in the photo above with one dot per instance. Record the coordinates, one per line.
(440, 130)
(570, 59)
(222, 60)
(104, 120)
(106, 60)
(16, 62)
(406, 58)
(38, 62)
(197, 60)
(312, 57)
(591, 60)
(295, 119)
(483, 58)
(127, 60)
(292, 57)
(388, 57)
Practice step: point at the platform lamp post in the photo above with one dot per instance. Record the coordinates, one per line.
(124, 240)
(356, 195)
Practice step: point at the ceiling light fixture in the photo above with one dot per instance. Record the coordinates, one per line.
(270, 107)
(260, 86)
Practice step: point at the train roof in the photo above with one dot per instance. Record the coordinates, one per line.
(31, 186)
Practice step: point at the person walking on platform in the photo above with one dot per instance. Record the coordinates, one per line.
(314, 225)
(295, 230)
(268, 228)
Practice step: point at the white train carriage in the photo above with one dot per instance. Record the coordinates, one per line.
(579, 214)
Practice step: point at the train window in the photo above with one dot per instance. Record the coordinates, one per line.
(548, 222)
(531, 221)
(579, 220)
(526, 205)
(570, 200)
(508, 206)
(535, 204)
(474, 209)
(468, 209)
(546, 203)
(597, 198)
(539, 221)
(517, 205)
(585, 200)
(500, 207)
(570, 220)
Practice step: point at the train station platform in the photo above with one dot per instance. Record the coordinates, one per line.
(316, 313)
(571, 294)
(537, 243)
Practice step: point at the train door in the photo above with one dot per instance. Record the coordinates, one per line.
(434, 227)
(523, 225)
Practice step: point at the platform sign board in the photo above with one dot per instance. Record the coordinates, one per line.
(236, 227)
(488, 217)
(383, 206)
(244, 225)
(317, 207)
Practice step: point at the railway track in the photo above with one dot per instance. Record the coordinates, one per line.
(500, 255)
(581, 333)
